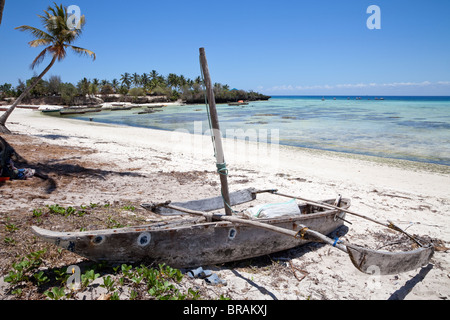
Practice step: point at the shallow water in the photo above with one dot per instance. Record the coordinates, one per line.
(411, 128)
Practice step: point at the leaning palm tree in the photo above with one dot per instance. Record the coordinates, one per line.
(57, 37)
(2, 5)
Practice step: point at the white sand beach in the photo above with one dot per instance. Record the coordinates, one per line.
(415, 196)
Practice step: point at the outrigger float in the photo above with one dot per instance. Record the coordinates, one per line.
(217, 237)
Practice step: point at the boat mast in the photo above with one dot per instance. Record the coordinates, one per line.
(217, 136)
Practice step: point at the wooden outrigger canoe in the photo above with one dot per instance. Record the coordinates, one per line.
(195, 242)
(215, 238)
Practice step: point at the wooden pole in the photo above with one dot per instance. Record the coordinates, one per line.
(292, 233)
(362, 258)
(233, 219)
(389, 225)
(217, 135)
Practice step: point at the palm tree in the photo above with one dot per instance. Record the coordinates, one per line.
(83, 86)
(145, 80)
(126, 80)
(182, 81)
(172, 80)
(136, 78)
(57, 37)
(104, 82)
(93, 89)
(2, 5)
(153, 74)
(115, 84)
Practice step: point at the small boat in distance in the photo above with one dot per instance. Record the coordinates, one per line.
(71, 111)
(82, 110)
(120, 108)
(50, 110)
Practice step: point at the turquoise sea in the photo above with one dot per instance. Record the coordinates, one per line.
(411, 128)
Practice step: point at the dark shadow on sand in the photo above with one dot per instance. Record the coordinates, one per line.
(282, 257)
(54, 167)
(401, 293)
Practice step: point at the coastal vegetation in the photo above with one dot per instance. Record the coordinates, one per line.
(57, 36)
(37, 270)
(127, 87)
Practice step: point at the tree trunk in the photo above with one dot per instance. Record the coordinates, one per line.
(7, 113)
(2, 5)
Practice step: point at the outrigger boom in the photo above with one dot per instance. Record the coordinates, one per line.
(365, 260)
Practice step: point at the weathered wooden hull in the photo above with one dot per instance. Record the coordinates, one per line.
(190, 245)
(383, 262)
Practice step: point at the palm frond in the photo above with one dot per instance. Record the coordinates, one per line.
(82, 22)
(39, 42)
(39, 58)
(37, 33)
(56, 11)
(58, 36)
(82, 51)
(55, 19)
(48, 21)
(69, 36)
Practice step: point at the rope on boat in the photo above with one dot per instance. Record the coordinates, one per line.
(229, 206)
(302, 232)
(222, 168)
(336, 241)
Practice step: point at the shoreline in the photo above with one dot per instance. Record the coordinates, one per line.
(264, 157)
(413, 196)
(432, 165)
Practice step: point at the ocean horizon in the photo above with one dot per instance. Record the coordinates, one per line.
(415, 128)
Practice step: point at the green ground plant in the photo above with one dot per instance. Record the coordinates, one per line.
(141, 282)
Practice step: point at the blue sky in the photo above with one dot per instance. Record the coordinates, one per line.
(320, 47)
